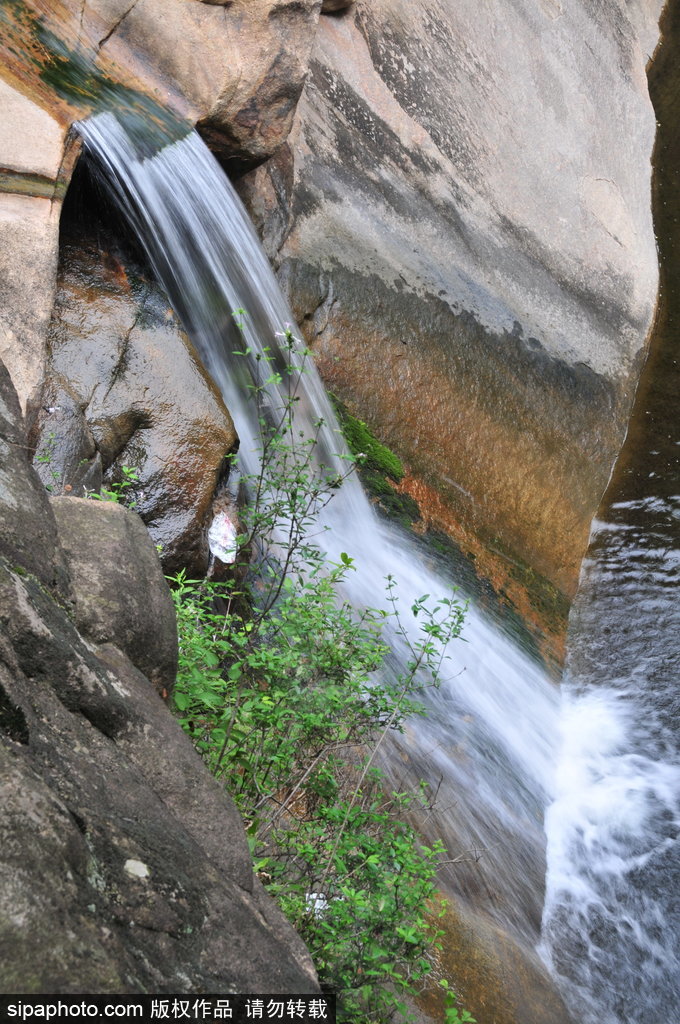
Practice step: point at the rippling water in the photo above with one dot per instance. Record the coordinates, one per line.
(612, 915)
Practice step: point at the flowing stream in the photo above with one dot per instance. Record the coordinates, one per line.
(490, 742)
(612, 918)
(612, 912)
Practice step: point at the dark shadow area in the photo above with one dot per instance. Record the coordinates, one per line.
(89, 215)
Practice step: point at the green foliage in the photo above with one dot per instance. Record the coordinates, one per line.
(45, 457)
(452, 1015)
(284, 709)
(371, 937)
(120, 490)
(282, 688)
(295, 686)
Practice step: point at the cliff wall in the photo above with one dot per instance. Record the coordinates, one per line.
(461, 217)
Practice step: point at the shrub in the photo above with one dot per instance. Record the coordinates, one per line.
(286, 710)
(281, 687)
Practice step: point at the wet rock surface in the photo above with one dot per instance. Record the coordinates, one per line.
(125, 394)
(123, 866)
(503, 979)
(238, 66)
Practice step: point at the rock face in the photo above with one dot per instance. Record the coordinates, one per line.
(34, 548)
(267, 60)
(106, 546)
(237, 67)
(31, 152)
(466, 237)
(505, 981)
(123, 867)
(124, 388)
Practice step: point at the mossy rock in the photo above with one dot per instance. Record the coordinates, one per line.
(365, 446)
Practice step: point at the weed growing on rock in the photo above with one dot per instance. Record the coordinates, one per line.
(120, 490)
(283, 690)
(45, 457)
(452, 1014)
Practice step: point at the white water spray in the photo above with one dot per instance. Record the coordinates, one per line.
(611, 916)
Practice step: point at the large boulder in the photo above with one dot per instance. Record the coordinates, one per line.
(120, 592)
(106, 885)
(461, 218)
(125, 392)
(123, 865)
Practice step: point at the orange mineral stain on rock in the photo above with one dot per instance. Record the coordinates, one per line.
(497, 978)
(547, 624)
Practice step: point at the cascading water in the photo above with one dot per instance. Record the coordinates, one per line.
(490, 740)
(612, 918)
(491, 734)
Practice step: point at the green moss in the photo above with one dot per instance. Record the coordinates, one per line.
(377, 467)
(73, 75)
(398, 506)
(23, 184)
(365, 446)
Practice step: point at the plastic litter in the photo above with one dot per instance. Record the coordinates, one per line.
(222, 538)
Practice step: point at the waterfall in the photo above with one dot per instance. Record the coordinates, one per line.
(496, 710)
(490, 740)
